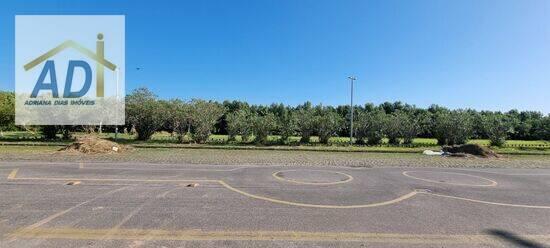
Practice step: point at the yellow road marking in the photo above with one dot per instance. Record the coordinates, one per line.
(491, 184)
(229, 187)
(396, 200)
(138, 209)
(506, 174)
(81, 165)
(161, 169)
(51, 217)
(188, 235)
(60, 213)
(12, 174)
(487, 202)
(114, 179)
(70, 164)
(165, 193)
(349, 178)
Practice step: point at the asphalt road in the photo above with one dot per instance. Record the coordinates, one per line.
(154, 205)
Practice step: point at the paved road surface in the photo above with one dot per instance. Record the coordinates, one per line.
(153, 205)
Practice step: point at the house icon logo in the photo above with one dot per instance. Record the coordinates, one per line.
(70, 69)
(49, 68)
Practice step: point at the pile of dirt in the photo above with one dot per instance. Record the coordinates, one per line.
(469, 149)
(94, 145)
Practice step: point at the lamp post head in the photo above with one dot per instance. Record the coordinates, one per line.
(352, 78)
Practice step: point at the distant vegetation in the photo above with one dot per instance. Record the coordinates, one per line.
(398, 123)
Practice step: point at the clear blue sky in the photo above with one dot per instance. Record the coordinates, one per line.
(492, 55)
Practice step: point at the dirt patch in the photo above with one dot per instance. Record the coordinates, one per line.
(470, 149)
(94, 145)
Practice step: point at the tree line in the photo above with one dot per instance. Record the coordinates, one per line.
(398, 122)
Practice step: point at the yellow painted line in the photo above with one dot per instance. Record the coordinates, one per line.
(227, 186)
(506, 174)
(348, 179)
(30, 228)
(70, 164)
(58, 214)
(81, 165)
(291, 203)
(13, 173)
(161, 169)
(165, 193)
(487, 202)
(114, 179)
(135, 212)
(378, 204)
(192, 235)
(492, 183)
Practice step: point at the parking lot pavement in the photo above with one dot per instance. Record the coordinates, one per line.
(138, 204)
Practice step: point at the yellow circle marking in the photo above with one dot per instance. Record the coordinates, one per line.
(227, 186)
(492, 183)
(377, 204)
(349, 178)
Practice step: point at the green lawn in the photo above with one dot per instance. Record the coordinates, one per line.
(165, 139)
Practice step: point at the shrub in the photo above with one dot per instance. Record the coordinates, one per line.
(204, 117)
(144, 112)
(66, 132)
(49, 132)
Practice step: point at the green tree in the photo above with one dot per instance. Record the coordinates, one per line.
(262, 126)
(205, 115)
(305, 122)
(239, 123)
(413, 126)
(370, 126)
(393, 127)
(7, 111)
(179, 117)
(497, 127)
(287, 125)
(144, 112)
(327, 124)
(452, 127)
(541, 128)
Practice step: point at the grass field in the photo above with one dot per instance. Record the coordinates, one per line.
(272, 157)
(165, 137)
(167, 140)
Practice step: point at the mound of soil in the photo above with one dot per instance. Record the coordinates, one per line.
(93, 145)
(469, 149)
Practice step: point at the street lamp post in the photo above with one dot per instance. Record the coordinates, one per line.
(117, 104)
(351, 78)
